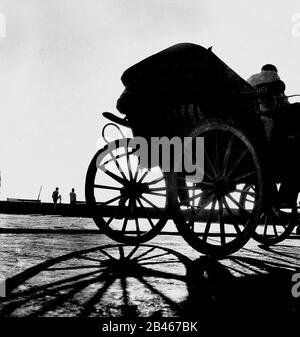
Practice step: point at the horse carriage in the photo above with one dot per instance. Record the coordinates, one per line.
(187, 92)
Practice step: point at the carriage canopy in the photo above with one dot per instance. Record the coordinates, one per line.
(181, 74)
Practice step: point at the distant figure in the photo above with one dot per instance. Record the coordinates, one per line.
(56, 196)
(73, 197)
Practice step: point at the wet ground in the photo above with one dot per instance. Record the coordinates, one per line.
(86, 274)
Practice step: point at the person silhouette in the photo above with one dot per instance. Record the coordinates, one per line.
(282, 125)
(56, 196)
(73, 197)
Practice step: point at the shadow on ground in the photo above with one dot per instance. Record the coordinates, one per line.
(153, 281)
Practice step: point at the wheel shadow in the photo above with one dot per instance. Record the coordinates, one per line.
(252, 286)
(112, 280)
(153, 281)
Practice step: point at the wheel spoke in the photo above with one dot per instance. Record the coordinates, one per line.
(266, 224)
(115, 177)
(107, 187)
(153, 257)
(192, 221)
(250, 187)
(143, 176)
(210, 164)
(196, 186)
(157, 189)
(253, 194)
(104, 252)
(227, 154)
(117, 165)
(229, 212)
(150, 203)
(244, 176)
(144, 253)
(236, 163)
(129, 166)
(205, 199)
(111, 200)
(138, 231)
(273, 224)
(221, 220)
(146, 213)
(118, 156)
(209, 220)
(153, 182)
(191, 159)
(128, 257)
(121, 204)
(121, 252)
(193, 197)
(236, 203)
(125, 221)
(154, 193)
(136, 173)
(217, 155)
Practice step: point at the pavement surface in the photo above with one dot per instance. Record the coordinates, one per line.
(89, 275)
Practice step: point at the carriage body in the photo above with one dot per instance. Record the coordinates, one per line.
(187, 91)
(181, 75)
(174, 91)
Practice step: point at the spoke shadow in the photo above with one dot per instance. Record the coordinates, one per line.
(246, 287)
(113, 280)
(152, 281)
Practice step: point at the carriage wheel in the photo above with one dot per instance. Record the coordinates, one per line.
(208, 214)
(275, 223)
(127, 203)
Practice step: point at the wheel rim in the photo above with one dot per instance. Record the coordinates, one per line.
(275, 223)
(132, 198)
(214, 222)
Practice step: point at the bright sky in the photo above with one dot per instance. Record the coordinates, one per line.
(61, 62)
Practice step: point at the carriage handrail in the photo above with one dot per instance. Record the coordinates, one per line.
(112, 117)
(116, 120)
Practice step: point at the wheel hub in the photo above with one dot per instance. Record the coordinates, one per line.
(121, 267)
(223, 186)
(134, 190)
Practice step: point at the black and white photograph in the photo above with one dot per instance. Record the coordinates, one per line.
(149, 166)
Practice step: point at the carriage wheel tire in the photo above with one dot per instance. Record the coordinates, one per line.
(131, 192)
(212, 224)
